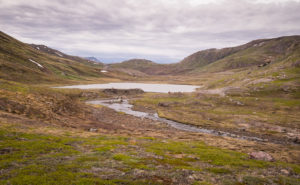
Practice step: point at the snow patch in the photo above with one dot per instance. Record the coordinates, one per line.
(37, 48)
(59, 54)
(104, 71)
(259, 44)
(36, 63)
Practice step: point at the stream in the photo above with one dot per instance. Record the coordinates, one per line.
(126, 107)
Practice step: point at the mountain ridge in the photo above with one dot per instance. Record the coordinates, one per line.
(230, 57)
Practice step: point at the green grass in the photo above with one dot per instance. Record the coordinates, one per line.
(212, 111)
(208, 154)
(31, 157)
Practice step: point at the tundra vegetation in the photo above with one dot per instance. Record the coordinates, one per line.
(51, 136)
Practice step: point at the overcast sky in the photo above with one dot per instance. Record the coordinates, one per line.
(161, 30)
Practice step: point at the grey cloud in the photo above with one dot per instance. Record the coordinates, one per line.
(149, 29)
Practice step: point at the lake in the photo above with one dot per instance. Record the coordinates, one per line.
(158, 88)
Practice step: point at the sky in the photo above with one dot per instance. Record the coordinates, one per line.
(164, 31)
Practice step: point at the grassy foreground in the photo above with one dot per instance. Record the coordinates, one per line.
(32, 154)
(53, 148)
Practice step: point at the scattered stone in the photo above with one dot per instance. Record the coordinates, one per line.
(286, 88)
(296, 64)
(261, 156)
(239, 103)
(5, 150)
(138, 173)
(264, 64)
(164, 104)
(93, 130)
(89, 94)
(243, 129)
(284, 171)
(296, 140)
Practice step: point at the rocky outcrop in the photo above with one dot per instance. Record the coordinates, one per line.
(263, 156)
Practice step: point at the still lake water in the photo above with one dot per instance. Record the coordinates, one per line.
(158, 88)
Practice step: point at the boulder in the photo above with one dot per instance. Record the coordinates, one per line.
(284, 171)
(263, 156)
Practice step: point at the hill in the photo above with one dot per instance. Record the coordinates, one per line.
(144, 66)
(36, 63)
(254, 53)
(259, 52)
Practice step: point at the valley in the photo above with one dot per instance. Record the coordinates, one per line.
(54, 136)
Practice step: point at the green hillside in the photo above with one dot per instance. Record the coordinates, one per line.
(22, 63)
(258, 52)
(283, 49)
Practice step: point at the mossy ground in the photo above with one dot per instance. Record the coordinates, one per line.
(57, 156)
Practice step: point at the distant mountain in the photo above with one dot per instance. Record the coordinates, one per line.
(142, 65)
(57, 53)
(94, 59)
(37, 63)
(254, 53)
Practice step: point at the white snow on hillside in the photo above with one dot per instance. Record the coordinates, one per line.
(36, 63)
(59, 54)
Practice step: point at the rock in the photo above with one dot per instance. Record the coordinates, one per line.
(138, 172)
(264, 64)
(261, 156)
(93, 130)
(5, 150)
(296, 64)
(163, 104)
(284, 172)
(239, 103)
(286, 88)
(89, 94)
(296, 140)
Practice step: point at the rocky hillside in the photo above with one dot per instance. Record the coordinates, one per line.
(35, 63)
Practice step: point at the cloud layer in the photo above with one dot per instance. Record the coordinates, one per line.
(161, 30)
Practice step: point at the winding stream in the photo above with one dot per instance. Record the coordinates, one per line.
(126, 107)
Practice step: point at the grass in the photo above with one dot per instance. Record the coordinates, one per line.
(212, 111)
